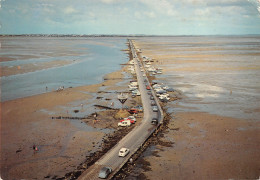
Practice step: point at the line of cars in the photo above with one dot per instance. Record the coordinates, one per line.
(105, 171)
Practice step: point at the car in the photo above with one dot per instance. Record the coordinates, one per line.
(148, 87)
(149, 92)
(155, 109)
(104, 172)
(153, 103)
(124, 123)
(154, 121)
(123, 152)
(151, 98)
(126, 119)
(139, 108)
(133, 111)
(144, 75)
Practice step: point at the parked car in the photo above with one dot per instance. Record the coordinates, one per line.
(123, 152)
(155, 109)
(104, 172)
(131, 117)
(133, 111)
(148, 87)
(154, 121)
(126, 119)
(139, 108)
(124, 123)
(151, 98)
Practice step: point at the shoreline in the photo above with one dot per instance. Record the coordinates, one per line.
(27, 121)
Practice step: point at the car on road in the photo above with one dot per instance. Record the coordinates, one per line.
(104, 172)
(154, 121)
(151, 98)
(148, 87)
(123, 152)
(152, 102)
(155, 109)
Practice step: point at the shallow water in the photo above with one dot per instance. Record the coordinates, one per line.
(216, 74)
(94, 57)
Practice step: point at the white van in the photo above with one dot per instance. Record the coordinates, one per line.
(124, 123)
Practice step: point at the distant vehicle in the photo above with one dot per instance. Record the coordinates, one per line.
(124, 123)
(132, 121)
(149, 92)
(123, 152)
(153, 103)
(139, 108)
(154, 121)
(145, 80)
(155, 109)
(144, 75)
(148, 87)
(170, 90)
(131, 118)
(133, 111)
(151, 98)
(104, 172)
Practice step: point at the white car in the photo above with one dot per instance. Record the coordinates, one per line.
(124, 123)
(123, 152)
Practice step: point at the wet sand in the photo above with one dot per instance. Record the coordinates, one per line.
(21, 69)
(204, 145)
(63, 144)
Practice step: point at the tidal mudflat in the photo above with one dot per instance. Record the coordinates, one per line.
(214, 130)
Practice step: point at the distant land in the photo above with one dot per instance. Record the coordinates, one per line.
(112, 35)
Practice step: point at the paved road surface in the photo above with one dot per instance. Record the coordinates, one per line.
(132, 140)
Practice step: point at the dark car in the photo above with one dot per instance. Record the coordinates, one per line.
(154, 121)
(133, 111)
(151, 97)
(104, 172)
(153, 103)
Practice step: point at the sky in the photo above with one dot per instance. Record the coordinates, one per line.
(125, 17)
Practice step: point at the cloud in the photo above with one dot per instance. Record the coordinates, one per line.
(109, 1)
(160, 6)
(256, 3)
(69, 10)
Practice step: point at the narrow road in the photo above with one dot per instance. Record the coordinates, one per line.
(136, 137)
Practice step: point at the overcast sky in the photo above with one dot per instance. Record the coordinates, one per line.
(157, 17)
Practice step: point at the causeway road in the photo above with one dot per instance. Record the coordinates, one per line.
(134, 139)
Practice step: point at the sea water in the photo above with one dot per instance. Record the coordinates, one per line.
(91, 58)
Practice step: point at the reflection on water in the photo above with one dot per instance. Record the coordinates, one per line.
(95, 58)
(219, 75)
